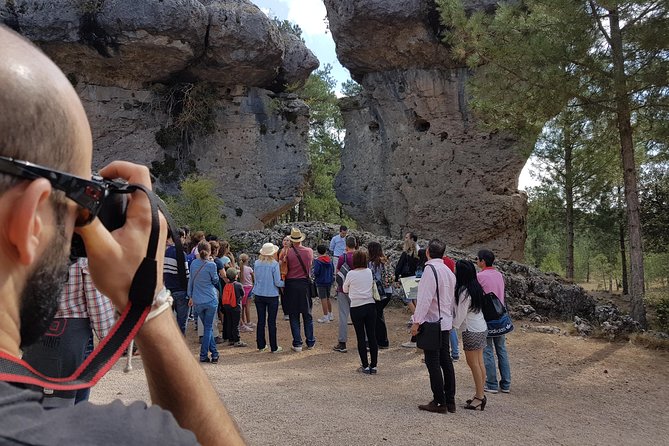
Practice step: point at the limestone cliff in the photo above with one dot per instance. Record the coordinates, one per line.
(414, 158)
(185, 86)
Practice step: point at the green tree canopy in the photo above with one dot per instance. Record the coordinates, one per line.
(198, 206)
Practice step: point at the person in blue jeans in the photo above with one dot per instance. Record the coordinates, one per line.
(492, 281)
(266, 292)
(455, 351)
(203, 295)
(499, 344)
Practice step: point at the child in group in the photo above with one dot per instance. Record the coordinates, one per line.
(226, 255)
(324, 276)
(247, 278)
(283, 265)
(233, 292)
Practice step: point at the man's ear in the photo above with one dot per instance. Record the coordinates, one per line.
(29, 219)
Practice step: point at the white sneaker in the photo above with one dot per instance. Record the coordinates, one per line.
(409, 344)
(296, 349)
(286, 317)
(331, 316)
(278, 350)
(323, 320)
(493, 391)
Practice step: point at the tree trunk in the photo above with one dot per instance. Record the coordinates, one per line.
(300, 211)
(623, 115)
(623, 254)
(569, 198)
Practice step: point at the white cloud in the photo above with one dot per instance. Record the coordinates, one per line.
(308, 14)
(268, 12)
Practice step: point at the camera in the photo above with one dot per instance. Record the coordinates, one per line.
(112, 212)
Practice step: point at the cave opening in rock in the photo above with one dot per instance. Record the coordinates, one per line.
(421, 125)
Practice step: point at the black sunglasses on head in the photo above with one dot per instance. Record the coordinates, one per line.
(88, 194)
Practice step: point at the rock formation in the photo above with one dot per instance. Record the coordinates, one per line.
(414, 158)
(185, 86)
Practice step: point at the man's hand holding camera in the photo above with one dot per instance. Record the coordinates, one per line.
(115, 256)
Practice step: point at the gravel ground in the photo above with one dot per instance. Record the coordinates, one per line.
(565, 390)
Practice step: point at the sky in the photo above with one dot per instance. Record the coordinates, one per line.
(310, 15)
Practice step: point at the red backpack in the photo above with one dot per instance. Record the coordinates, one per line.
(229, 296)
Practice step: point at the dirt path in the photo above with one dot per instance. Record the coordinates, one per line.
(565, 390)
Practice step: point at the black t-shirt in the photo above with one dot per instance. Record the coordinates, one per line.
(23, 421)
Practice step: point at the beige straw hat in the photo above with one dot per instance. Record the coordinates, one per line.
(268, 249)
(296, 235)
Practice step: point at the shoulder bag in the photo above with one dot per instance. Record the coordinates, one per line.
(429, 333)
(493, 309)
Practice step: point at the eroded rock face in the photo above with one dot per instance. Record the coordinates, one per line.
(414, 158)
(134, 63)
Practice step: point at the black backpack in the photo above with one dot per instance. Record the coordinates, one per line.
(493, 309)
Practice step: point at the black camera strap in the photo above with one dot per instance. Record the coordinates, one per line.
(110, 349)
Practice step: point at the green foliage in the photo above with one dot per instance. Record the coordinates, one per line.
(192, 111)
(325, 144)
(351, 88)
(662, 313)
(578, 153)
(90, 6)
(551, 263)
(319, 94)
(541, 56)
(198, 206)
(657, 269)
(288, 27)
(545, 228)
(655, 207)
(193, 107)
(596, 234)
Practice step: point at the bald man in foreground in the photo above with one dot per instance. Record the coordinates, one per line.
(42, 121)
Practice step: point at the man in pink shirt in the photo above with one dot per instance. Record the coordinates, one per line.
(297, 297)
(492, 281)
(438, 362)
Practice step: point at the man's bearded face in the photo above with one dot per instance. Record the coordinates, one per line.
(39, 300)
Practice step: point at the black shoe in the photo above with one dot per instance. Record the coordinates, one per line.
(433, 407)
(384, 347)
(218, 340)
(450, 407)
(479, 406)
(214, 360)
(340, 347)
(205, 359)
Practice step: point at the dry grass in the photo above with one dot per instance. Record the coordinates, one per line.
(649, 341)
